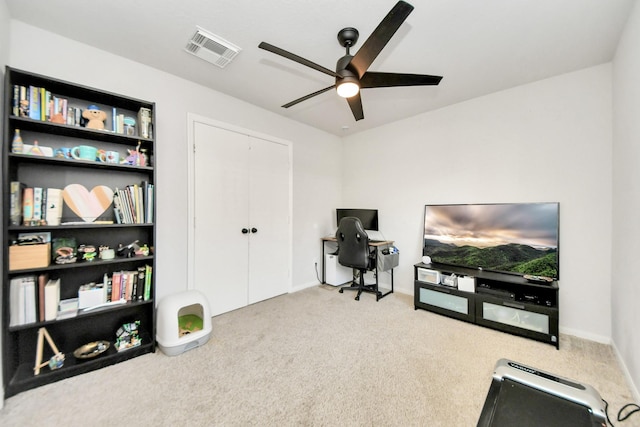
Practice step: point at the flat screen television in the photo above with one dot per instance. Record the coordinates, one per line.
(368, 217)
(515, 238)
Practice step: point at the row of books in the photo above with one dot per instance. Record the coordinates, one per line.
(133, 285)
(33, 298)
(34, 205)
(38, 103)
(36, 298)
(134, 204)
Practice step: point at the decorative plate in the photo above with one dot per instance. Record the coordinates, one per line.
(91, 350)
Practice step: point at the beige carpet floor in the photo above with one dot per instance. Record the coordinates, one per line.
(316, 358)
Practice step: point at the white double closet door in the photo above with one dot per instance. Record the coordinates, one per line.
(242, 225)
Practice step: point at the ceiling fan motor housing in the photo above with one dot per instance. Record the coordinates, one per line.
(348, 37)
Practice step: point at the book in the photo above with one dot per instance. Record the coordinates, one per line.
(67, 308)
(140, 285)
(24, 102)
(128, 285)
(117, 207)
(27, 205)
(128, 202)
(116, 283)
(34, 103)
(133, 197)
(48, 103)
(15, 212)
(43, 204)
(29, 287)
(14, 301)
(42, 282)
(150, 203)
(147, 283)
(51, 299)
(53, 206)
(15, 104)
(37, 203)
(139, 204)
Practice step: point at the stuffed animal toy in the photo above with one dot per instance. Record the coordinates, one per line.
(95, 117)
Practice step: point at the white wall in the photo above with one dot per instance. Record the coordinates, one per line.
(546, 141)
(625, 305)
(4, 56)
(316, 154)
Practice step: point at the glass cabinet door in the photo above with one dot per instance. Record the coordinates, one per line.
(517, 317)
(444, 300)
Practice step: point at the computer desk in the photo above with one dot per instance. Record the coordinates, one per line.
(372, 244)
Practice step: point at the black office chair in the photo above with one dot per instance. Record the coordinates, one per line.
(354, 252)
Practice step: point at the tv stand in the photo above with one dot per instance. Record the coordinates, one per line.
(501, 301)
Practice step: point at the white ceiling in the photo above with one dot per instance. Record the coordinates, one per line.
(478, 46)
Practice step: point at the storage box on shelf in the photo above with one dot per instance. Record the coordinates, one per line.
(505, 302)
(29, 256)
(123, 160)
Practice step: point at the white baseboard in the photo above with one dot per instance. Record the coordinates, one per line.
(587, 336)
(304, 286)
(627, 374)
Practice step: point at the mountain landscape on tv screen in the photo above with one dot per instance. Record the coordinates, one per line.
(515, 258)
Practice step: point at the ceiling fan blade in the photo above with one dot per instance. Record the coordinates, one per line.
(355, 103)
(371, 80)
(304, 98)
(380, 37)
(298, 59)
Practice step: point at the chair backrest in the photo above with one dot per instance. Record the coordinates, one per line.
(353, 243)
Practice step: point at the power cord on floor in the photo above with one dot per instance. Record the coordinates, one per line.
(621, 417)
(317, 275)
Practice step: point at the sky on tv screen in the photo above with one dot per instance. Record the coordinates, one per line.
(484, 226)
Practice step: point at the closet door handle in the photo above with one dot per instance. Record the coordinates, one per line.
(245, 231)
(254, 230)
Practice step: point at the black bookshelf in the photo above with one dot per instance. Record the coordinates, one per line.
(19, 342)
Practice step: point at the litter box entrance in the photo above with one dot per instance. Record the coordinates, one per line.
(190, 319)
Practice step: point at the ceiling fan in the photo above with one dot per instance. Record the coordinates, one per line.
(351, 70)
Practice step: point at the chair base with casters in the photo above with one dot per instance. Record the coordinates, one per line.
(362, 287)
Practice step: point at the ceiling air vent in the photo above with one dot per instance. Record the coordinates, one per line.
(211, 48)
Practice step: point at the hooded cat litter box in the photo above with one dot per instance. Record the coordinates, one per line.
(184, 322)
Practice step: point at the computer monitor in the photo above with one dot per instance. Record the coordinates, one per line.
(368, 217)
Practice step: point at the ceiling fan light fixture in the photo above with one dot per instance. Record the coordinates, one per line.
(348, 87)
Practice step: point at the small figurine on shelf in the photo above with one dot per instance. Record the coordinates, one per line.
(106, 253)
(88, 252)
(63, 250)
(17, 145)
(137, 157)
(128, 336)
(143, 250)
(128, 251)
(95, 117)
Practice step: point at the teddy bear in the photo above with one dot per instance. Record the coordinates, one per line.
(95, 117)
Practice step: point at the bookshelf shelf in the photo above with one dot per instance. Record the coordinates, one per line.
(23, 158)
(84, 315)
(82, 265)
(24, 378)
(24, 123)
(19, 337)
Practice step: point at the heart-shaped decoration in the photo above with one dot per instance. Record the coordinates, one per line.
(88, 205)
